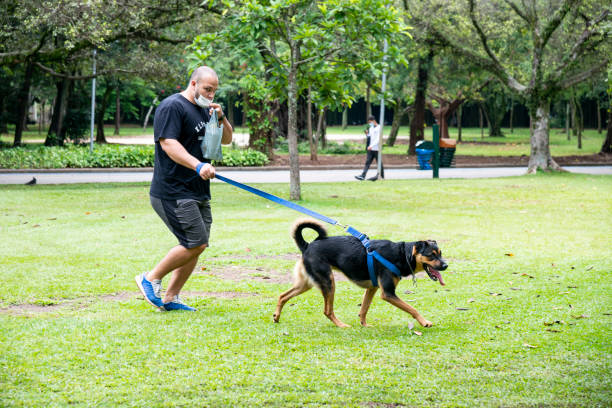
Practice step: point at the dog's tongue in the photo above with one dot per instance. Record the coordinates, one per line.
(437, 275)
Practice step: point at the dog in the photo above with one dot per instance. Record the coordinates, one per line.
(348, 255)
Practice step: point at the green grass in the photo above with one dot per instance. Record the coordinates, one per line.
(76, 243)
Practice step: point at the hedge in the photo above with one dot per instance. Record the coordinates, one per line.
(106, 156)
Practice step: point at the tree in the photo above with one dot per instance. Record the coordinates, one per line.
(560, 38)
(297, 40)
(57, 36)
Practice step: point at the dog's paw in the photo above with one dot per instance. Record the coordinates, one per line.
(426, 323)
(275, 318)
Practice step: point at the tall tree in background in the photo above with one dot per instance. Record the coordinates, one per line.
(564, 42)
(296, 39)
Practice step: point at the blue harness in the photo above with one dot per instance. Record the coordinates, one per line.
(363, 238)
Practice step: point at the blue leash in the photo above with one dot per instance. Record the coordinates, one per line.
(365, 241)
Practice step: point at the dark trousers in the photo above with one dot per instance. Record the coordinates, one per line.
(372, 154)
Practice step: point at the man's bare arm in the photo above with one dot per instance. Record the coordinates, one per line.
(178, 154)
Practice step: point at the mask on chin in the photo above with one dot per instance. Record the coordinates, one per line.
(203, 102)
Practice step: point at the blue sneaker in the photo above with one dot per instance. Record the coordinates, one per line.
(177, 304)
(150, 290)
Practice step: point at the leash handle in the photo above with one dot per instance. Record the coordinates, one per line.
(278, 200)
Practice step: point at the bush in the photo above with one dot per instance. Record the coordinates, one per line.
(105, 156)
(239, 158)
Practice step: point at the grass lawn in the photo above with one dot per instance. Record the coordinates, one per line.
(524, 318)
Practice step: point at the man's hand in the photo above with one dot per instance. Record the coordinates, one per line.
(207, 171)
(369, 147)
(217, 107)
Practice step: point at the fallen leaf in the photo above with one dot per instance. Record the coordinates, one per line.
(498, 327)
(418, 333)
(607, 314)
(508, 298)
(408, 292)
(52, 219)
(529, 346)
(557, 308)
(553, 330)
(470, 300)
(509, 254)
(123, 217)
(589, 268)
(515, 289)
(265, 277)
(203, 268)
(35, 225)
(525, 274)
(462, 308)
(573, 287)
(582, 316)
(564, 293)
(494, 294)
(87, 213)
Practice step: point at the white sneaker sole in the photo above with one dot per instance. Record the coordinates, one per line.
(138, 279)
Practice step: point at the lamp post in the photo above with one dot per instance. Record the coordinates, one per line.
(382, 113)
(93, 104)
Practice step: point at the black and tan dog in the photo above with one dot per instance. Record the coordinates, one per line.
(347, 254)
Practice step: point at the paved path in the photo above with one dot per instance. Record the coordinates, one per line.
(277, 176)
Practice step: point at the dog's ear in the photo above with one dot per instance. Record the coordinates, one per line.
(420, 246)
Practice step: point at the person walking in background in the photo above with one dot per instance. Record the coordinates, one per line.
(180, 190)
(373, 137)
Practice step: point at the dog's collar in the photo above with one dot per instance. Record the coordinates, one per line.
(410, 258)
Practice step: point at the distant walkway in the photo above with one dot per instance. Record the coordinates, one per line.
(274, 176)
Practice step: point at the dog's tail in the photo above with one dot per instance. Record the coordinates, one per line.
(296, 231)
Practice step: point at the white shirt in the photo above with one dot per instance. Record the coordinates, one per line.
(374, 133)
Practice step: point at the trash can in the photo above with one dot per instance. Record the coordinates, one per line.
(447, 152)
(424, 151)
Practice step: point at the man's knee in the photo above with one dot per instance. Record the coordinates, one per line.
(198, 249)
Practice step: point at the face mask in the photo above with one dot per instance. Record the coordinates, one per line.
(203, 102)
(371, 125)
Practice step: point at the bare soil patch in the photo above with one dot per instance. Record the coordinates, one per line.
(25, 309)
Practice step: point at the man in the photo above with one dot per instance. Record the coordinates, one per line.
(373, 137)
(180, 190)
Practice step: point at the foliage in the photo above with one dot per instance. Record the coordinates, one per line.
(106, 156)
(76, 249)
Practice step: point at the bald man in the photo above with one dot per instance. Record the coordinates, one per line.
(180, 190)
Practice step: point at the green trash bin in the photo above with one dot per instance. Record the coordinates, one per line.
(447, 152)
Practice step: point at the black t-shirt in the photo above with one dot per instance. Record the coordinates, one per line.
(177, 118)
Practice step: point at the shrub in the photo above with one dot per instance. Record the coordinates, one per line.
(105, 156)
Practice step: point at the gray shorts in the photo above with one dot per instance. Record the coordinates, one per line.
(189, 220)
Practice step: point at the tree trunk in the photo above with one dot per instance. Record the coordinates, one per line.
(311, 139)
(102, 106)
(459, 116)
(606, 147)
(344, 118)
(512, 116)
(398, 115)
(146, 120)
(368, 104)
(418, 121)
(540, 157)
(481, 122)
(567, 120)
(294, 163)
(117, 110)
(229, 109)
(22, 103)
(55, 135)
(598, 117)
